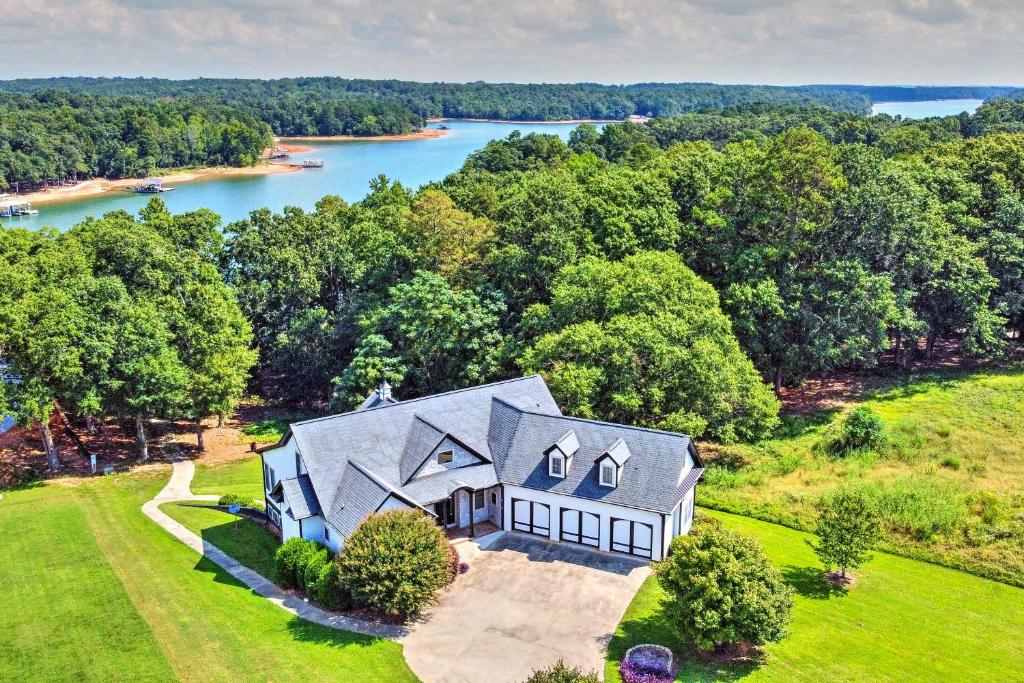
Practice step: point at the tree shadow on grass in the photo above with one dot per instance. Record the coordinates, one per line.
(693, 665)
(810, 582)
(308, 632)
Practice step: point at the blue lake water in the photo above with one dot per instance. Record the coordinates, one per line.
(926, 108)
(348, 169)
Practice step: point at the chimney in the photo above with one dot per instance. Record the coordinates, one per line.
(384, 390)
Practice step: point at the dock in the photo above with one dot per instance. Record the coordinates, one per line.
(16, 207)
(312, 163)
(152, 186)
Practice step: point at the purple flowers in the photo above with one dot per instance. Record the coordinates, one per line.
(647, 664)
(463, 567)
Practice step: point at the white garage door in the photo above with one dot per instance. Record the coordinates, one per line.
(632, 538)
(531, 517)
(580, 527)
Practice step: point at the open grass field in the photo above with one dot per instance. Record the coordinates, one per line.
(903, 620)
(95, 591)
(950, 477)
(246, 541)
(243, 476)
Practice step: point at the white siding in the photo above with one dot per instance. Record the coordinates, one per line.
(605, 511)
(280, 461)
(289, 527)
(392, 503)
(313, 529)
(333, 539)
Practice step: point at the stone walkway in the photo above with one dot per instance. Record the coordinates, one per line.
(179, 489)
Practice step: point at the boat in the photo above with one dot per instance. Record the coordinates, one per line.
(152, 186)
(16, 208)
(312, 163)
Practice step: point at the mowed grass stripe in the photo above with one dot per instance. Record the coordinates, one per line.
(210, 626)
(904, 620)
(65, 615)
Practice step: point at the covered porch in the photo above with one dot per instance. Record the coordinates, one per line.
(469, 512)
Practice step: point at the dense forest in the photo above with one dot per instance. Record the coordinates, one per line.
(51, 136)
(652, 278)
(291, 105)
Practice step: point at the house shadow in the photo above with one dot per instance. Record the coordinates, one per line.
(810, 582)
(542, 550)
(730, 664)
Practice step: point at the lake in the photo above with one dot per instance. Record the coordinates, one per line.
(926, 108)
(348, 168)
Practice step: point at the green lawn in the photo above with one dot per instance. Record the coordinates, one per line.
(904, 620)
(246, 541)
(243, 476)
(951, 473)
(95, 591)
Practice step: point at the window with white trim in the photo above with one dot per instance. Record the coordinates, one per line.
(607, 474)
(557, 467)
(478, 500)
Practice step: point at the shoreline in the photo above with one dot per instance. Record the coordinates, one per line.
(443, 119)
(425, 134)
(98, 186)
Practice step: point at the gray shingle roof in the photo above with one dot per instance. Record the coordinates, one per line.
(649, 474)
(423, 439)
(298, 492)
(376, 438)
(357, 495)
(435, 487)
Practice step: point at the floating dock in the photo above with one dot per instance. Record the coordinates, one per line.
(15, 207)
(152, 186)
(312, 163)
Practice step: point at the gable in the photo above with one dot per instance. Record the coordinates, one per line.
(461, 457)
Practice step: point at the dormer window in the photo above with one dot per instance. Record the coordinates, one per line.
(557, 464)
(560, 454)
(445, 457)
(610, 464)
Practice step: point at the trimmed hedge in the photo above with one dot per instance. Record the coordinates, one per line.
(291, 559)
(239, 499)
(304, 564)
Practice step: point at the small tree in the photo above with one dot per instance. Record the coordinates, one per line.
(861, 428)
(395, 562)
(561, 673)
(722, 589)
(848, 528)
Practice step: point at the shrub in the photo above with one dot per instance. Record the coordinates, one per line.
(721, 588)
(315, 562)
(860, 429)
(847, 529)
(396, 562)
(238, 499)
(453, 561)
(951, 462)
(291, 559)
(324, 585)
(720, 477)
(560, 673)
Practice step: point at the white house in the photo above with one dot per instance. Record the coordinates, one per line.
(495, 456)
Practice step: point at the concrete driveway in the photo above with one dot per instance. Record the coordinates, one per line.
(524, 604)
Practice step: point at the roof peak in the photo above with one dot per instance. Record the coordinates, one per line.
(421, 398)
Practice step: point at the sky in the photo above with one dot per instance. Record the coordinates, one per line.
(606, 41)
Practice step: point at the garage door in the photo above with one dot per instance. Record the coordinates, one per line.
(632, 538)
(531, 517)
(580, 527)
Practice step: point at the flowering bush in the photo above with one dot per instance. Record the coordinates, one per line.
(647, 664)
(463, 567)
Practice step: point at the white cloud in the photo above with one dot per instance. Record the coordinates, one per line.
(778, 41)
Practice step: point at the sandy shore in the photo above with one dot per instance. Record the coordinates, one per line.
(425, 134)
(98, 186)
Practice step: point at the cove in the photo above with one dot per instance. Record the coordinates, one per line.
(348, 168)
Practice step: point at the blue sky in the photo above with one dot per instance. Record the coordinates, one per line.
(608, 41)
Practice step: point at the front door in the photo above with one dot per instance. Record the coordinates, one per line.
(445, 511)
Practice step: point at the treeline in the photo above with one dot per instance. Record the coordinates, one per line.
(120, 319)
(891, 136)
(917, 93)
(297, 101)
(668, 287)
(51, 136)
